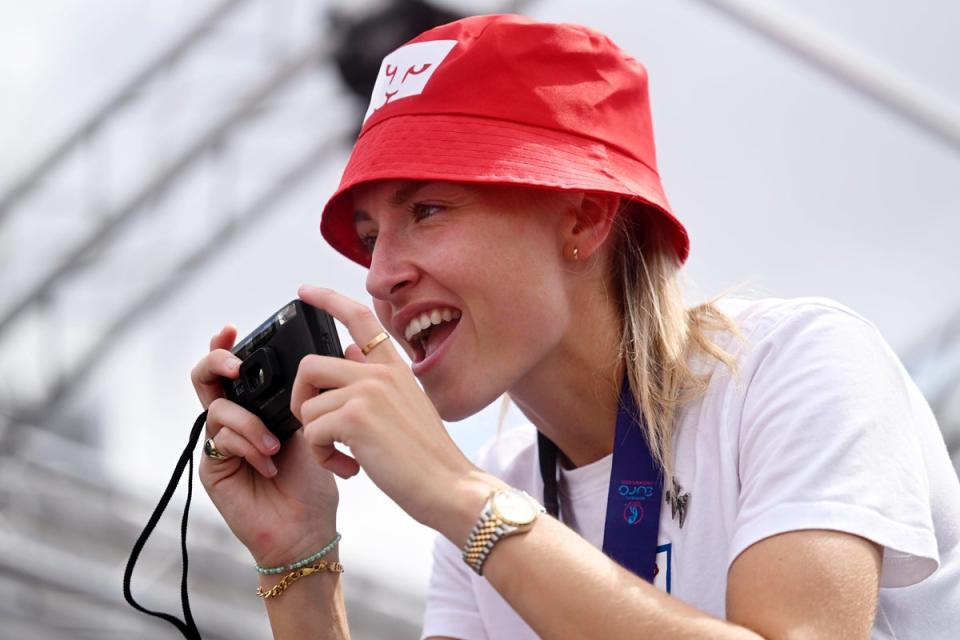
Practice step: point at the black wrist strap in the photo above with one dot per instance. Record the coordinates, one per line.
(186, 626)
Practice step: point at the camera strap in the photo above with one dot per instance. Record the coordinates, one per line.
(186, 626)
(636, 491)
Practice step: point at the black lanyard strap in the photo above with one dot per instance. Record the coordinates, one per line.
(548, 454)
(186, 626)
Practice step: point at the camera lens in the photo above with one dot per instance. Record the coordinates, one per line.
(256, 376)
(259, 373)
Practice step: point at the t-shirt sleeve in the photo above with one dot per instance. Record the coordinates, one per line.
(451, 609)
(828, 440)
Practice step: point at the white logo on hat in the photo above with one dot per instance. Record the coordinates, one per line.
(406, 71)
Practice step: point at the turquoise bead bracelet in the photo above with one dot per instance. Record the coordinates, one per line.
(301, 563)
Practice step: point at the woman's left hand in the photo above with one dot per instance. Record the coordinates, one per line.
(374, 405)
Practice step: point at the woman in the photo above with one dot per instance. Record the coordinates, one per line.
(504, 196)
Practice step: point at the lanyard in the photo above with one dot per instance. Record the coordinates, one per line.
(636, 490)
(187, 626)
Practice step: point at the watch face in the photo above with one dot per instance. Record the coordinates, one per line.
(514, 507)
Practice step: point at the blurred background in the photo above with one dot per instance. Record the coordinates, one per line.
(162, 169)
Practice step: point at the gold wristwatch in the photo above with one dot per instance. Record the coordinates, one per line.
(507, 512)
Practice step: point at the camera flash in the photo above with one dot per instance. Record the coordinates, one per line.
(287, 313)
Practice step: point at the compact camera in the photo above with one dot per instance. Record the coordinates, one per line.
(270, 358)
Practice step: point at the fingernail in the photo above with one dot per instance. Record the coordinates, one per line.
(269, 442)
(271, 468)
(233, 363)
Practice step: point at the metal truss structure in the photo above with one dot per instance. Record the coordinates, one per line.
(199, 147)
(64, 253)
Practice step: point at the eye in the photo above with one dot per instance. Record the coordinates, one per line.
(422, 210)
(368, 241)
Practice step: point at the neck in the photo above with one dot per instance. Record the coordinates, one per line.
(572, 397)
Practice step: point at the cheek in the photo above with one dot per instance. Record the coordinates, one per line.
(522, 309)
(519, 244)
(511, 271)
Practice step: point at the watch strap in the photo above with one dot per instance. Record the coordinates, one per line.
(488, 530)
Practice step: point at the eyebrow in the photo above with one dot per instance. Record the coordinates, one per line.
(407, 191)
(403, 193)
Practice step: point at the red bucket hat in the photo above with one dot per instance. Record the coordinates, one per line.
(503, 99)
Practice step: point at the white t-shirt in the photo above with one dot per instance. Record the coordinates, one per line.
(821, 429)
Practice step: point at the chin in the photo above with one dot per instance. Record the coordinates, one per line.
(454, 407)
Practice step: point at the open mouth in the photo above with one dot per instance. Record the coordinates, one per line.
(428, 331)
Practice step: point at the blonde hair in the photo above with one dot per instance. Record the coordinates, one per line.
(660, 336)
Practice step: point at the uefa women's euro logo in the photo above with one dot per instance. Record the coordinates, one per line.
(634, 492)
(633, 512)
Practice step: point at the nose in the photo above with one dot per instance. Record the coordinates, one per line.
(391, 268)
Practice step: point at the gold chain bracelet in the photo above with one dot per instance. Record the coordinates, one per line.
(293, 576)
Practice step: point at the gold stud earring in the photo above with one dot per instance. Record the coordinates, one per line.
(576, 253)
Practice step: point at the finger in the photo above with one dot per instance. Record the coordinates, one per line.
(206, 375)
(223, 413)
(214, 365)
(327, 454)
(318, 373)
(318, 405)
(321, 442)
(354, 353)
(232, 444)
(359, 320)
(224, 338)
(336, 461)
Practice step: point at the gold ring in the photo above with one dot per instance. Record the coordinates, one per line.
(210, 450)
(377, 339)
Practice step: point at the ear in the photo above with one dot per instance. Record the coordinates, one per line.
(589, 223)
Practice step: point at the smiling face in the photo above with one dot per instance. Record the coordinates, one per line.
(470, 279)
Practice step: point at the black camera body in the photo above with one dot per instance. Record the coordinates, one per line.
(270, 358)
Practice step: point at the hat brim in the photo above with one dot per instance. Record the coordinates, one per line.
(470, 149)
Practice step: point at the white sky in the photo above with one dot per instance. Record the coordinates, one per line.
(786, 180)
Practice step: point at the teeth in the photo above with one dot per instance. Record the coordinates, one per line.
(425, 320)
(412, 328)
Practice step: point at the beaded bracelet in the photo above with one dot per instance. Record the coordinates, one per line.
(301, 563)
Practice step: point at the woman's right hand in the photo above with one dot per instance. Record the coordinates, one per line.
(277, 500)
